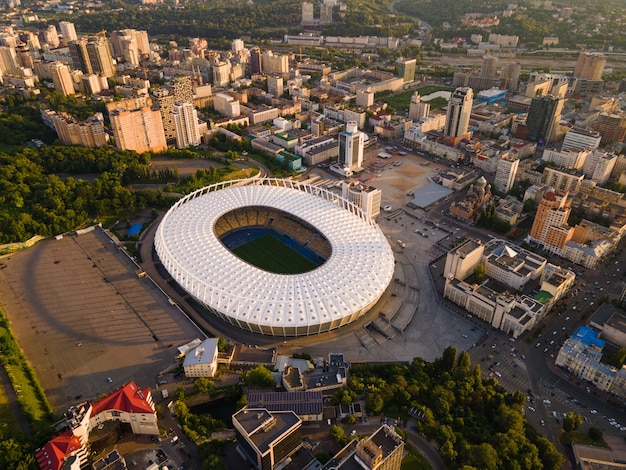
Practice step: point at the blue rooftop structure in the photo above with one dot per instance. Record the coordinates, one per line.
(589, 337)
(134, 229)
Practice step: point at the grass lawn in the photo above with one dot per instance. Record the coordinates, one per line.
(415, 461)
(403, 100)
(270, 254)
(581, 438)
(7, 421)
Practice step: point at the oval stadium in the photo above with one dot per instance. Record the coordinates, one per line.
(274, 256)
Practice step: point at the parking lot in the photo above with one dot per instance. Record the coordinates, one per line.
(87, 322)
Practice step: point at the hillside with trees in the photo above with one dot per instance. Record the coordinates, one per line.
(474, 421)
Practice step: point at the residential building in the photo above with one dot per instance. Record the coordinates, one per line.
(138, 129)
(51, 36)
(275, 85)
(267, 438)
(565, 158)
(458, 114)
(87, 133)
(556, 281)
(274, 63)
(92, 56)
(383, 450)
(68, 31)
(563, 179)
(611, 126)
(187, 125)
(201, 361)
(543, 118)
(8, 60)
(221, 73)
(610, 321)
(590, 65)
(550, 229)
(351, 148)
(599, 166)
(577, 139)
(62, 78)
(461, 261)
(510, 74)
(367, 198)
(505, 174)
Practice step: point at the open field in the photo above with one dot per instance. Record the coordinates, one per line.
(270, 254)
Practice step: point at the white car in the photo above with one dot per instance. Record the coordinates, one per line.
(387, 208)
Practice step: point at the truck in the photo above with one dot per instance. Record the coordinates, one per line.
(165, 393)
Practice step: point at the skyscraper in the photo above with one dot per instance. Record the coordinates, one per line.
(543, 117)
(138, 129)
(488, 67)
(256, 64)
(458, 115)
(307, 13)
(100, 57)
(510, 73)
(406, 69)
(186, 123)
(505, 174)
(351, 148)
(61, 78)
(550, 227)
(8, 60)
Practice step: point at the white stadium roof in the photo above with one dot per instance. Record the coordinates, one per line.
(348, 284)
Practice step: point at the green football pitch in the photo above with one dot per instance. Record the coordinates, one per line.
(270, 254)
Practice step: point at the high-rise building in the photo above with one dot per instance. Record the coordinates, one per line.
(138, 129)
(62, 78)
(79, 55)
(275, 86)
(351, 148)
(237, 45)
(543, 118)
(505, 174)
(24, 57)
(100, 57)
(256, 60)
(458, 114)
(418, 109)
(8, 60)
(611, 126)
(265, 438)
(180, 89)
(461, 261)
(510, 73)
(274, 63)
(488, 67)
(140, 39)
(550, 229)
(89, 133)
(406, 69)
(68, 31)
(186, 123)
(307, 13)
(326, 13)
(590, 65)
(51, 37)
(221, 74)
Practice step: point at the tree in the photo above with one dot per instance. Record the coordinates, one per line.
(338, 435)
(179, 394)
(202, 385)
(572, 421)
(259, 377)
(595, 434)
(480, 271)
(618, 359)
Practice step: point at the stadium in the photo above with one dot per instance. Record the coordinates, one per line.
(274, 256)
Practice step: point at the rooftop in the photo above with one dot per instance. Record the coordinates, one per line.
(263, 427)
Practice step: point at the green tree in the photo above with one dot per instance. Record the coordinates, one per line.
(338, 435)
(202, 385)
(618, 359)
(16, 455)
(179, 394)
(258, 377)
(595, 433)
(480, 271)
(572, 421)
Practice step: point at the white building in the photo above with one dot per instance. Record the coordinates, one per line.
(187, 126)
(68, 31)
(202, 360)
(581, 139)
(510, 264)
(505, 174)
(564, 179)
(599, 166)
(351, 148)
(366, 197)
(461, 261)
(566, 158)
(226, 105)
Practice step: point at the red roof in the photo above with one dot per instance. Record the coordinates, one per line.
(128, 398)
(52, 455)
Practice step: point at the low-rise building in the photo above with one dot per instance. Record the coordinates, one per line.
(201, 361)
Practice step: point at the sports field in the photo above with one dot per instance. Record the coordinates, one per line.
(270, 254)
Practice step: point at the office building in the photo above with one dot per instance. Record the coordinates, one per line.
(351, 148)
(186, 124)
(62, 78)
(418, 109)
(543, 118)
(201, 361)
(138, 129)
(138, 38)
(237, 45)
(599, 166)
(505, 174)
(92, 56)
(406, 69)
(510, 74)
(267, 439)
(461, 261)
(590, 65)
(68, 31)
(226, 105)
(488, 66)
(550, 229)
(221, 73)
(458, 114)
(367, 198)
(581, 139)
(383, 450)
